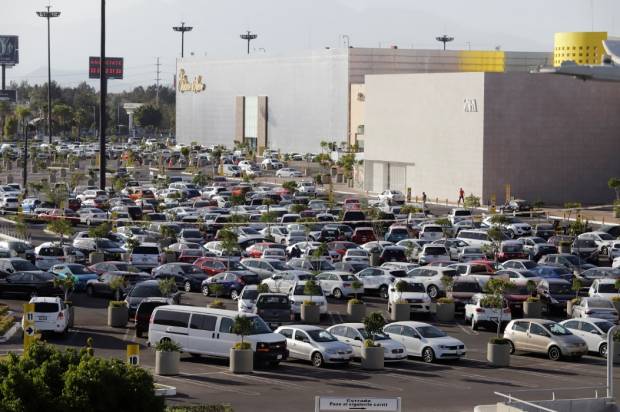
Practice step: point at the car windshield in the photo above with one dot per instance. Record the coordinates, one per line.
(606, 236)
(321, 265)
(192, 233)
(191, 269)
(273, 302)
(279, 265)
(466, 287)
(79, 270)
(19, 247)
(434, 251)
(249, 231)
(299, 290)
(104, 243)
(529, 264)
(378, 336)
(249, 294)
(560, 289)
(574, 260)
(527, 274)
(512, 248)
(556, 329)
(320, 335)
(538, 240)
(23, 266)
(600, 303)
(604, 326)
(258, 326)
(143, 291)
(347, 278)
(430, 332)
(607, 288)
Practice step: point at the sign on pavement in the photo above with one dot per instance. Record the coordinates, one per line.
(29, 326)
(133, 354)
(323, 403)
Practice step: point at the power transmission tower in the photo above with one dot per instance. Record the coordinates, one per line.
(157, 80)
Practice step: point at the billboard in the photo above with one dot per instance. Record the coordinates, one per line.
(113, 67)
(9, 50)
(8, 96)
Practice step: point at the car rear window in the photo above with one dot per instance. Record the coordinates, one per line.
(146, 250)
(473, 287)
(46, 307)
(273, 302)
(51, 251)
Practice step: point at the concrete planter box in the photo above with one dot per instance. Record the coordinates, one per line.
(569, 308)
(241, 360)
(498, 355)
(96, 257)
(71, 314)
(118, 316)
(445, 312)
(356, 311)
(310, 313)
(167, 363)
(372, 358)
(400, 312)
(532, 309)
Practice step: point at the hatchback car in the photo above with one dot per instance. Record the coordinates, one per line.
(593, 331)
(426, 341)
(598, 308)
(315, 344)
(339, 284)
(355, 334)
(230, 283)
(544, 336)
(50, 315)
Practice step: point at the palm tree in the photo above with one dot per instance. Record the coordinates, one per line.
(22, 113)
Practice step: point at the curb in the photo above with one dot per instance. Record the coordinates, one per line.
(10, 333)
(164, 390)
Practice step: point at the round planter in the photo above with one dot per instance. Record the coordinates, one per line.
(310, 313)
(498, 355)
(118, 316)
(96, 257)
(241, 360)
(372, 358)
(167, 363)
(356, 311)
(532, 309)
(445, 312)
(400, 312)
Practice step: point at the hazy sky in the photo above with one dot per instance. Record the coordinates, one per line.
(140, 30)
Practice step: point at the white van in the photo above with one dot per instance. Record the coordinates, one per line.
(458, 214)
(207, 331)
(476, 237)
(147, 256)
(431, 232)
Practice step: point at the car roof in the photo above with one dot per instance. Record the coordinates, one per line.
(198, 309)
(355, 325)
(303, 327)
(48, 299)
(411, 323)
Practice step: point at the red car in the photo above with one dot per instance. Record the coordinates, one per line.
(363, 235)
(189, 255)
(510, 250)
(341, 247)
(211, 266)
(257, 249)
(59, 214)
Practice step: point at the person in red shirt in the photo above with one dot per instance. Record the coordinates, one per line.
(461, 197)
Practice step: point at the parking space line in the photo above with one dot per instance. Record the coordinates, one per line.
(468, 331)
(495, 379)
(264, 379)
(430, 381)
(217, 387)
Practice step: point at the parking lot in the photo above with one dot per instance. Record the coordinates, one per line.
(442, 386)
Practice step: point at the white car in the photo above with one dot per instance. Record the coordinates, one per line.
(306, 187)
(271, 164)
(431, 277)
(426, 341)
(514, 226)
(247, 299)
(592, 330)
(433, 253)
(338, 284)
(376, 280)
(603, 240)
(431, 232)
(50, 315)
(288, 172)
(315, 344)
(595, 308)
(92, 216)
(414, 294)
(392, 196)
(355, 334)
(458, 214)
(478, 313)
(283, 282)
(356, 255)
(469, 253)
(604, 288)
(48, 254)
(297, 296)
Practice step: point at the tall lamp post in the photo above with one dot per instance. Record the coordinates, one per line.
(49, 15)
(444, 39)
(249, 36)
(103, 92)
(182, 28)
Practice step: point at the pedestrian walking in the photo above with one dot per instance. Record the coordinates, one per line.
(461, 197)
(423, 200)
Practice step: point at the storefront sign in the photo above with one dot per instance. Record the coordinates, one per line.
(357, 404)
(184, 85)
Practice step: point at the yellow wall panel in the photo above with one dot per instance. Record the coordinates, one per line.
(482, 61)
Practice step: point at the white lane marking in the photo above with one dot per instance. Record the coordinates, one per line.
(468, 331)
(495, 379)
(218, 387)
(430, 381)
(264, 379)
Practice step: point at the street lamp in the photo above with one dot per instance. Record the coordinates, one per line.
(444, 39)
(48, 15)
(249, 36)
(182, 28)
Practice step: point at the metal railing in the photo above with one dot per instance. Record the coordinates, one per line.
(513, 399)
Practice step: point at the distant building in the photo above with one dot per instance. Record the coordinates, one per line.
(542, 137)
(580, 47)
(294, 102)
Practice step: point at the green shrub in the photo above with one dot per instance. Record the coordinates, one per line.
(355, 301)
(6, 322)
(168, 346)
(117, 303)
(445, 300)
(498, 341)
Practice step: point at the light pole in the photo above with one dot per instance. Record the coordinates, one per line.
(182, 28)
(103, 92)
(249, 36)
(444, 39)
(48, 15)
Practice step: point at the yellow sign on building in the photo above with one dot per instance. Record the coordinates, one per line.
(482, 61)
(580, 47)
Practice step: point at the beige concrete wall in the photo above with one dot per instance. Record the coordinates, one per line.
(358, 101)
(420, 121)
(552, 138)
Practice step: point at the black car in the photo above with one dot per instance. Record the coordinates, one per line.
(273, 308)
(393, 254)
(144, 311)
(544, 230)
(187, 276)
(149, 289)
(101, 285)
(554, 293)
(517, 205)
(9, 266)
(29, 284)
(231, 283)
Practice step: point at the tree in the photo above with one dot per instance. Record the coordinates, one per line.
(66, 284)
(230, 243)
(100, 231)
(10, 126)
(51, 380)
(373, 323)
(61, 113)
(290, 185)
(148, 116)
(167, 286)
(614, 183)
(311, 288)
(242, 327)
(496, 289)
(22, 113)
(61, 227)
(200, 179)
